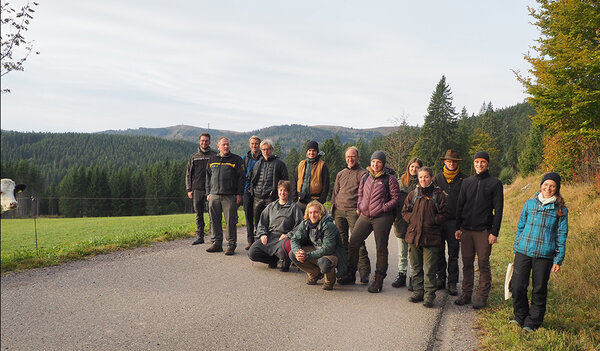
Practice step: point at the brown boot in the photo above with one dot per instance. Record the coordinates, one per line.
(312, 280)
(377, 283)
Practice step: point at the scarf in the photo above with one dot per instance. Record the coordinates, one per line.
(314, 226)
(449, 175)
(545, 201)
(376, 175)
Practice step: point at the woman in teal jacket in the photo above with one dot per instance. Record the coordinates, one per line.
(539, 249)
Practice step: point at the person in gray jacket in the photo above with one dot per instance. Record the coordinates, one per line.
(274, 229)
(225, 186)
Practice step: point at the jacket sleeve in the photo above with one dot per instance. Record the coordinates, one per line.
(394, 195)
(520, 226)
(241, 176)
(296, 238)
(561, 237)
(329, 239)
(188, 175)
(208, 176)
(498, 208)
(325, 181)
(442, 215)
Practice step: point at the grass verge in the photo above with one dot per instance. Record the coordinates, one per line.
(572, 320)
(67, 239)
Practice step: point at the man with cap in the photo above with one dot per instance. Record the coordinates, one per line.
(311, 177)
(450, 180)
(478, 217)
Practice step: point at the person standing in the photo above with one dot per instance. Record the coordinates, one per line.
(312, 177)
(195, 182)
(450, 180)
(344, 203)
(478, 218)
(378, 197)
(539, 249)
(408, 181)
(424, 210)
(250, 160)
(225, 186)
(267, 173)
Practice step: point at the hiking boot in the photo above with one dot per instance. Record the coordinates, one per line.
(463, 300)
(248, 246)
(348, 279)
(314, 280)
(273, 263)
(285, 265)
(364, 279)
(415, 298)
(214, 248)
(452, 290)
(377, 283)
(400, 280)
(429, 302)
(328, 285)
(230, 251)
(199, 240)
(479, 303)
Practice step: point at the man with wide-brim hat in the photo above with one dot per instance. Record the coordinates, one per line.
(450, 180)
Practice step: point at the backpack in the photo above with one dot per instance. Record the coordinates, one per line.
(417, 196)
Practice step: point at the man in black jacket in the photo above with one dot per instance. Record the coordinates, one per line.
(478, 217)
(250, 160)
(450, 180)
(267, 173)
(225, 186)
(195, 182)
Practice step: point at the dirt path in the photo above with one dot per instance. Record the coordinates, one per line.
(175, 296)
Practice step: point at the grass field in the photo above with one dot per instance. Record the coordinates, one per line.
(572, 320)
(66, 239)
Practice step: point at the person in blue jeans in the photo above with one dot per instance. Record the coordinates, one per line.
(539, 249)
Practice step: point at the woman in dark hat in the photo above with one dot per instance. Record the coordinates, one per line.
(539, 249)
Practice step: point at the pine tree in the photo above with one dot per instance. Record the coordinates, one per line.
(438, 132)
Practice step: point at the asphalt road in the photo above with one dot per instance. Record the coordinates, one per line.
(174, 296)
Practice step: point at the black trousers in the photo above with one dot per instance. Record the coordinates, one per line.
(447, 230)
(199, 198)
(540, 268)
(249, 212)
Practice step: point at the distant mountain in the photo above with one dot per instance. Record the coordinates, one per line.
(289, 136)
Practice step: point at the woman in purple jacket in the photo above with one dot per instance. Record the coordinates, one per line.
(378, 197)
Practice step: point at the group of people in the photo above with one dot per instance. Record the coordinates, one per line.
(287, 222)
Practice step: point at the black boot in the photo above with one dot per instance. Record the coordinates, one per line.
(349, 278)
(400, 280)
(377, 283)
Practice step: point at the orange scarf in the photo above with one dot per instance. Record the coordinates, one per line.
(449, 175)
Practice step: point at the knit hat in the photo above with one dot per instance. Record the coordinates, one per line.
(482, 154)
(552, 176)
(451, 155)
(379, 155)
(312, 145)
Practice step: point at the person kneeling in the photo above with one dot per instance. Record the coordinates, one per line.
(316, 247)
(273, 230)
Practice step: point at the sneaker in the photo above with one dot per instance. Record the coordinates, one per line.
(198, 241)
(314, 280)
(514, 321)
(230, 251)
(452, 290)
(415, 298)
(463, 300)
(528, 329)
(400, 280)
(214, 248)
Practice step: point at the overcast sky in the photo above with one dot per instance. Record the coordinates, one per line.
(244, 65)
